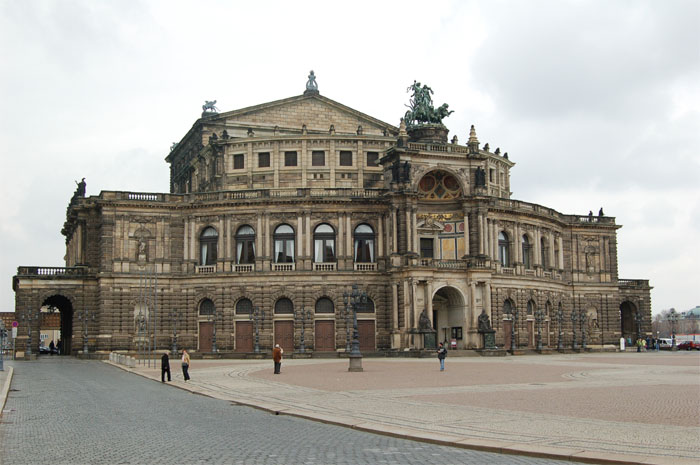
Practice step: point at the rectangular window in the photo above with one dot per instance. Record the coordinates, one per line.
(238, 161)
(264, 160)
(345, 158)
(372, 158)
(491, 171)
(426, 247)
(318, 158)
(290, 158)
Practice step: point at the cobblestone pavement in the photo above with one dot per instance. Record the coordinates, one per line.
(68, 411)
(630, 407)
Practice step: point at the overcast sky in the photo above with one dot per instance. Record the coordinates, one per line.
(597, 102)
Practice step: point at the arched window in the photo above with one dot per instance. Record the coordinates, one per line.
(244, 307)
(364, 244)
(245, 245)
(284, 306)
(556, 254)
(324, 243)
(284, 244)
(206, 307)
(530, 307)
(367, 307)
(544, 253)
(503, 249)
(324, 305)
(507, 307)
(208, 241)
(527, 248)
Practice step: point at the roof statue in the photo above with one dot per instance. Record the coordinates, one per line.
(209, 107)
(311, 85)
(421, 106)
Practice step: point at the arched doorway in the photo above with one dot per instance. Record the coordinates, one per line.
(61, 305)
(627, 312)
(449, 316)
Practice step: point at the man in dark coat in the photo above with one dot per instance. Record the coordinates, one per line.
(277, 358)
(164, 367)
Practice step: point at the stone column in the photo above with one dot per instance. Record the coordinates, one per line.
(466, 232)
(267, 242)
(429, 300)
(185, 241)
(309, 235)
(481, 233)
(409, 234)
(193, 241)
(348, 228)
(380, 237)
(551, 249)
(394, 242)
(395, 305)
(300, 237)
(340, 242)
(414, 230)
(561, 253)
(259, 237)
(415, 314)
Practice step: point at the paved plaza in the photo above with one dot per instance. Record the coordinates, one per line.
(627, 407)
(64, 411)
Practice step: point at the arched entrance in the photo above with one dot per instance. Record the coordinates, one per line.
(627, 328)
(449, 316)
(61, 305)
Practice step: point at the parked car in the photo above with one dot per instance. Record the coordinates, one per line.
(689, 345)
(665, 343)
(47, 350)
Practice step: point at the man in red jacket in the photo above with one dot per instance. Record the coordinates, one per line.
(277, 357)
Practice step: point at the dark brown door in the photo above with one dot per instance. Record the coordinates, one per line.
(206, 331)
(325, 336)
(244, 336)
(507, 328)
(365, 328)
(284, 335)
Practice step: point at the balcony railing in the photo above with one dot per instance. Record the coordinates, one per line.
(244, 268)
(365, 266)
(282, 266)
(324, 266)
(51, 270)
(205, 269)
(633, 283)
(505, 270)
(444, 264)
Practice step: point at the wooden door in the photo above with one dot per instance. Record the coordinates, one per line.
(284, 335)
(325, 336)
(365, 328)
(244, 336)
(206, 332)
(507, 328)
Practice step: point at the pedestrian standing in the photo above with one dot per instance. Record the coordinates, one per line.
(164, 367)
(277, 358)
(442, 353)
(52, 347)
(185, 365)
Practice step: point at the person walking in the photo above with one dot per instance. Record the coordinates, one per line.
(52, 347)
(442, 353)
(277, 358)
(164, 367)
(185, 365)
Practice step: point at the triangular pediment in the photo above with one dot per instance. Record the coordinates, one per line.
(316, 112)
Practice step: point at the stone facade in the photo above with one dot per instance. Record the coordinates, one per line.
(282, 206)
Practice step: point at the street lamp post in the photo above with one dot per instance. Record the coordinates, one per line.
(638, 320)
(213, 334)
(673, 317)
(141, 330)
(28, 318)
(539, 318)
(574, 319)
(356, 298)
(514, 322)
(85, 317)
(347, 314)
(302, 315)
(560, 318)
(3, 336)
(257, 316)
(583, 321)
(174, 319)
